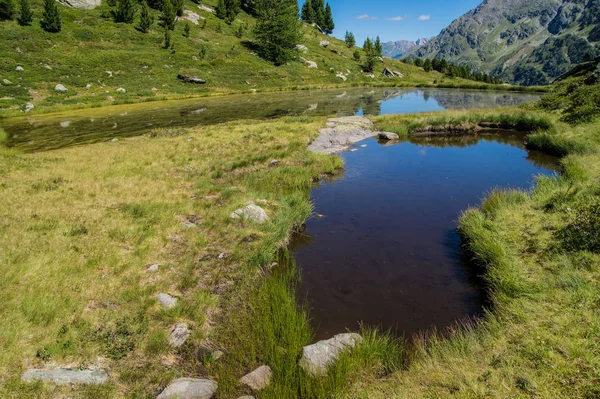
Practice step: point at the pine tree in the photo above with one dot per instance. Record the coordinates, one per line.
(349, 39)
(168, 15)
(370, 56)
(178, 6)
(318, 7)
(125, 11)
(378, 47)
(25, 14)
(51, 21)
(187, 29)
(277, 29)
(146, 18)
(167, 38)
(232, 10)
(328, 23)
(221, 10)
(308, 14)
(419, 62)
(427, 65)
(356, 55)
(7, 9)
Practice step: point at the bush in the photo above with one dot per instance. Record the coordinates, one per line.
(583, 233)
(25, 14)
(51, 21)
(146, 18)
(125, 11)
(7, 9)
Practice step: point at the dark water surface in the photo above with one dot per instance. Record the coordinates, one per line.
(46, 132)
(386, 252)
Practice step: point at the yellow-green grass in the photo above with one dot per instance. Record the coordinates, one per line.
(541, 334)
(90, 44)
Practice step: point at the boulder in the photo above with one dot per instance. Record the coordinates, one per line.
(60, 87)
(316, 358)
(29, 107)
(6, 82)
(189, 388)
(66, 376)
(341, 76)
(153, 267)
(258, 379)
(302, 48)
(387, 72)
(179, 333)
(191, 79)
(387, 136)
(252, 213)
(121, 90)
(311, 64)
(83, 4)
(166, 301)
(324, 43)
(19, 68)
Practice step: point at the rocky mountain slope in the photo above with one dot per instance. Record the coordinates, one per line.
(525, 42)
(398, 48)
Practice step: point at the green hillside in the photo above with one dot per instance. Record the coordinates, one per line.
(93, 56)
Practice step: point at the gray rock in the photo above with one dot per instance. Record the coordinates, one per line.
(311, 64)
(84, 4)
(60, 87)
(324, 43)
(252, 213)
(258, 379)
(166, 301)
(153, 267)
(387, 72)
(191, 79)
(179, 334)
(316, 358)
(121, 90)
(115, 140)
(302, 48)
(29, 107)
(65, 124)
(246, 397)
(274, 162)
(216, 355)
(6, 82)
(341, 134)
(387, 136)
(341, 76)
(110, 74)
(190, 16)
(88, 86)
(19, 68)
(189, 388)
(66, 376)
(206, 8)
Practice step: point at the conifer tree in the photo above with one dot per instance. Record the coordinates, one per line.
(146, 18)
(187, 29)
(356, 55)
(221, 10)
(378, 47)
(7, 9)
(51, 21)
(277, 29)
(419, 62)
(349, 39)
(178, 6)
(125, 11)
(232, 10)
(319, 11)
(427, 65)
(168, 15)
(308, 13)
(25, 14)
(370, 56)
(328, 23)
(167, 38)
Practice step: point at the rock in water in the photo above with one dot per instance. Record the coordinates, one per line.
(316, 358)
(179, 334)
(258, 379)
(166, 300)
(66, 376)
(387, 136)
(252, 213)
(83, 4)
(189, 388)
(191, 79)
(60, 87)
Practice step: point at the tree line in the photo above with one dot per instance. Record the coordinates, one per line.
(456, 71)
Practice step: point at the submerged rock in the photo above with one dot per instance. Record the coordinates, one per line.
(388, 136)
(66, 376)
(258, 379)
(252, 213)
(189, 388)
(316, 358)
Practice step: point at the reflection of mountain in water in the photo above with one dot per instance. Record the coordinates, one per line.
(86, 126)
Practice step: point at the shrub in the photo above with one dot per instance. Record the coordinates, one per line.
(146, 18)
(7, 9)
(125, 11)
(51, 21)
(25, 13)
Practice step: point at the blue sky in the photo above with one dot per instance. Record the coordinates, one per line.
(395, 20)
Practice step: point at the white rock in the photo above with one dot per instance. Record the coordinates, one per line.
(189, 388)
(88, 86)
(47, 67)
(341, 76)
(121, 90)
(190, 16)
(388, 136)
(252, 213)
(110, 74)
(302, 48)
(83, 4)
(115, 140)
(6, 82)
(65, 124)
(311, 64)
(153, 268)
(324, 43)
(206, 8)
(166, 301)
(316, 358)
(179, 333)
(19, 68)
(60, 87)
(29, 107)
(258, 379)
(154, 89)
(66, 376)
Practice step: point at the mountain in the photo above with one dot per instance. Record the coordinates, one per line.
(397, 49)
(522, 41)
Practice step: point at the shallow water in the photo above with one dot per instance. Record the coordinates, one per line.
(385, 251)
(45, 132)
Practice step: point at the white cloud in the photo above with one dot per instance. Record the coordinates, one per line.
(395, 19)
(424, 17)
(366, 17)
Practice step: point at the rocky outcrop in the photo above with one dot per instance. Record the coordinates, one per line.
(83, 4)
(189, 388)
(251, 213)
(64, 376)
(317, 358)
(258, 379)
(341, 133)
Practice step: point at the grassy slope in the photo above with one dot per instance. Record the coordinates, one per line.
(89, 45)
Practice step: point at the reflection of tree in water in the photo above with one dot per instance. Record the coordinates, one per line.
(457, 99)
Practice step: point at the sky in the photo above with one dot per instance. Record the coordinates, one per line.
(395, 19)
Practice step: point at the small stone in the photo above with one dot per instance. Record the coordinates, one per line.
(191, 79)
(222, 255)
(274, 162)
(387, 136)
(189, 388)
(341, 76)
(88, 86)
(154, 89)
(66, 376)
(6, 82)
(110, 74)
(252, 213)
(65, 124)
(121, 90)
(29, 107)
(153, 268)
(316, 358)
(60, 87)
(194, 58)
(258, 379)
(179, 334)
(302, 48)
(47, 67)
(311, 64)
(115, 140)
(324, 43)
(166, 300)
(19, 68)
